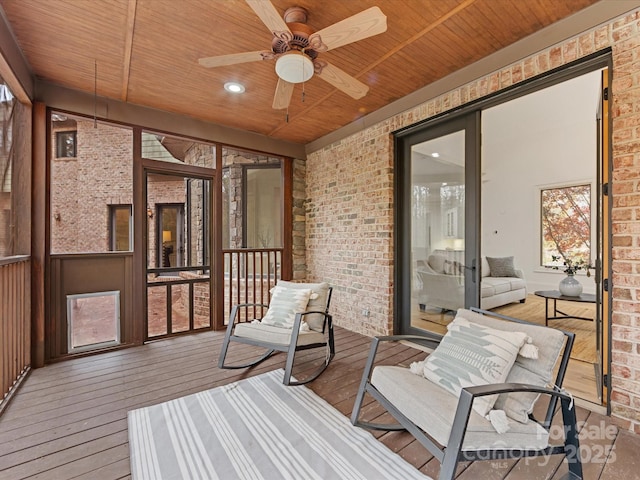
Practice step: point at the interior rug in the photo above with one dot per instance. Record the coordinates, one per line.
(256, 428)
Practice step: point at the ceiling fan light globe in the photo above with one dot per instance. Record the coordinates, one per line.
(294, 67)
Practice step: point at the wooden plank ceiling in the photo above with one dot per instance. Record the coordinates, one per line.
(147, 53)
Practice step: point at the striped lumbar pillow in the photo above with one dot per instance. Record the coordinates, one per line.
(285, 303)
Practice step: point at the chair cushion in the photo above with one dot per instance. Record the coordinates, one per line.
(277, 335)
(501, 266)
(433, 409)
(471, 354)
(525, 370)
(317, 303)
(285, 303)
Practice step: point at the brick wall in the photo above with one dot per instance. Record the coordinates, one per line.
(349, 227)
(350, 213)
(83, 186)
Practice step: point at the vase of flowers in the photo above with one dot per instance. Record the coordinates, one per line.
(570, 286)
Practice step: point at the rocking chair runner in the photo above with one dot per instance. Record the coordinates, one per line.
(450, 428)
(279, 338)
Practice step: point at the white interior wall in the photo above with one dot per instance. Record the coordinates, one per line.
(544, 139)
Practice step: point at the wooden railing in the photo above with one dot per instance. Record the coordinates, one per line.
(249, 274)
(15, 335)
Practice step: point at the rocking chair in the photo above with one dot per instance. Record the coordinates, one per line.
(311, 328)
(421, 400)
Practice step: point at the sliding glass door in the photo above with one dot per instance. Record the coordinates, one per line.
(437, 215)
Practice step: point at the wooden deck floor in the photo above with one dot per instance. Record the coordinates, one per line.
(69, 420)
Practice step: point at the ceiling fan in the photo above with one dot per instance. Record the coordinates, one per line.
(295, 47)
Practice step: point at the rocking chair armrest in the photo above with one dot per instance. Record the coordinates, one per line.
(468, 394)
(373, 350)
(557, 393)
(496, 388)
(327, 317)
(234, 313)
(308, 312)
(429, 336)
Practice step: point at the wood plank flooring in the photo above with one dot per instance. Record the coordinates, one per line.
(68, 420)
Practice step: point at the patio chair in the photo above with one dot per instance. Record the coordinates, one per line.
(460, 427)
(297, 319)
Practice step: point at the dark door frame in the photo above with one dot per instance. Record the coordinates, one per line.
(403, 141)
(141, 168)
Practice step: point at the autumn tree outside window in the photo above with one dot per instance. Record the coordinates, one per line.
(566, 223)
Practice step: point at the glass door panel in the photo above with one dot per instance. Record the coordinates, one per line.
(170, 235)
(437, 230)
(438, 218)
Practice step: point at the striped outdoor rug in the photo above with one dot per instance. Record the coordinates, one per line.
(256, 429)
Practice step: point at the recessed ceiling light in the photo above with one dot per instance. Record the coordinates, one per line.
(234, 87)
(435, 154)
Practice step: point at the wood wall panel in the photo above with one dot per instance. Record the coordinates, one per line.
(39, 212)
(21, 200)
(76, 274)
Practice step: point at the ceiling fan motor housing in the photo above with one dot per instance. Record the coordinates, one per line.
(298, 39)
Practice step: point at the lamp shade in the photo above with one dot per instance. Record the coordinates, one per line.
(166, 235)
(294, 67)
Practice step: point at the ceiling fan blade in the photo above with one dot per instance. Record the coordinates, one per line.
(362, 25)
(282, 97)
(231, 59)
(343, 81)
(269, 15)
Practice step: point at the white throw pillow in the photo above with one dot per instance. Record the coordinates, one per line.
(471, 354)
(317, 301)
(285, 303)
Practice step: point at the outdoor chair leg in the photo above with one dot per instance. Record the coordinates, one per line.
(225, 348)
(292, 352)
(289, 365)
(572, 444)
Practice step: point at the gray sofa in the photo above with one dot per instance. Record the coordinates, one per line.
(442, 284)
